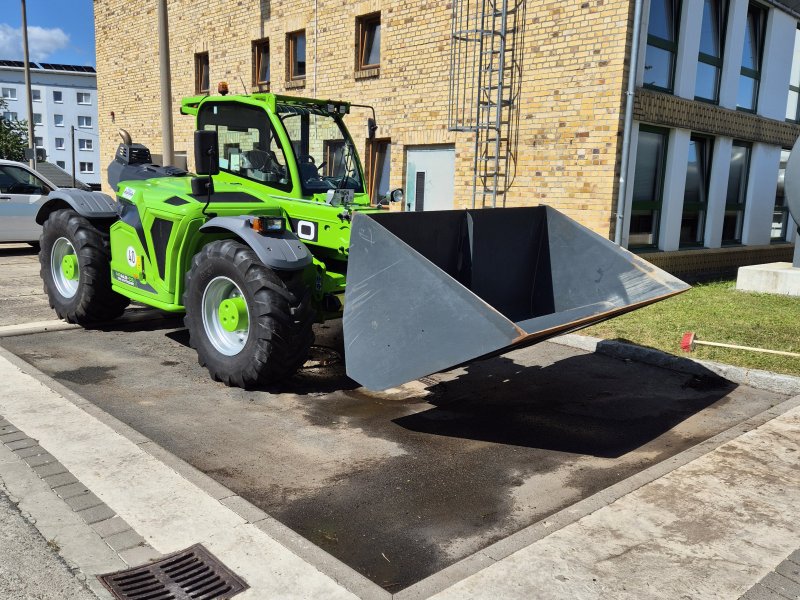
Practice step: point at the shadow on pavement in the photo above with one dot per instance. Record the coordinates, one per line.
(575, 405)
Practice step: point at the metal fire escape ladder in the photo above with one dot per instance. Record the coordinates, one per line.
(482, 72)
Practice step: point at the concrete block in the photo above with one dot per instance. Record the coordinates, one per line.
(7, 428)
(782, 585)
(244, 509)
(38, 460)
(34, 450)
(759, 592)
(96, 514)
(790, 570)
(70, 490)
(60, 479)
(52, 468)
(110, 526)
(124, 540)
(139, 555)
(12, 437)
(772, 278)
(83, 501)
(20, 444)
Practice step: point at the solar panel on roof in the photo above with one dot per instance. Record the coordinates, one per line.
(72, 68)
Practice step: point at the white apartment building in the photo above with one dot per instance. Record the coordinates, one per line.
(64, 96)
(718, 88)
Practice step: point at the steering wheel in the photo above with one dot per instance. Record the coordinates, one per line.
(310, 160)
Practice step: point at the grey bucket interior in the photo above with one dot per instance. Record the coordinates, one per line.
(427, 291)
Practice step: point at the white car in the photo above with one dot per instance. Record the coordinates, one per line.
(22, 191)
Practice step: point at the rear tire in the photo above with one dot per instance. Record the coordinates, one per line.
(74, 259)
(263, 332)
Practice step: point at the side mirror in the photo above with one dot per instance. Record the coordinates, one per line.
(372, 128)
(396, 195)
(206, 153)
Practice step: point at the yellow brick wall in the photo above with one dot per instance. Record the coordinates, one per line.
(571, 94)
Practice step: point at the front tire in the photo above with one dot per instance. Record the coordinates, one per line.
(74, 259)
(250, 325)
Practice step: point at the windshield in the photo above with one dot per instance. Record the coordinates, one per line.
(325, 155)
(248, 146)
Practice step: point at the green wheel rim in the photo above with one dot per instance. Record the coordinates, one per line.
(226, 320)
(65, 268)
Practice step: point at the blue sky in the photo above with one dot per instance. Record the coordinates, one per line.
(60, 31)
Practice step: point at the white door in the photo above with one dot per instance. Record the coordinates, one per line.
(21, 194)
(430, 177)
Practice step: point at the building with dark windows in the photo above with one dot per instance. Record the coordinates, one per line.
(513, 102)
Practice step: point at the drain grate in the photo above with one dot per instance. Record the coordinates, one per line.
(192, 573)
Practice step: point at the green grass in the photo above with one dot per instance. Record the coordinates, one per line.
(716, 312)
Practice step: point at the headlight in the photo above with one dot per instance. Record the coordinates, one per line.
(396, 195)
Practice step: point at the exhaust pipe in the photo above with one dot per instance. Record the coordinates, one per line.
(430, 291)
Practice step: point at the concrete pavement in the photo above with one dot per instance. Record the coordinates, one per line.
(714, 521)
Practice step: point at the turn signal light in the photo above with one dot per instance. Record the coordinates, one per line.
(265, 225)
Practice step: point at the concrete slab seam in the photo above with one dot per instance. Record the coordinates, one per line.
(340, 572)
(78, 499)
(533, 533)
(765, 380)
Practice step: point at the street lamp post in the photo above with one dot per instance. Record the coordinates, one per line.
(31, 142)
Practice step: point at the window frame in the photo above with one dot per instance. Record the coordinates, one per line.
(78, 98)
(794, 88)
(715, 61)
(55, 120)
(86, 141)
(667, 46)
(36, 98)
(86, 171)
(701, 206)
(378, 151)
(11, 96)
(63, 143)
(363, 23)
(738, 207)
(60, 96)
(202, 73)
(259, 47)
(291, 50)
(89, 126)
(39, 115)
(786, 218)
(754, 74)
(654, 205)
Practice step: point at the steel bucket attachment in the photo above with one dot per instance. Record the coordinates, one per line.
(429, 291)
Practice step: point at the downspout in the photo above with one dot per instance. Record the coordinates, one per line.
(316, 35)
(626, 132)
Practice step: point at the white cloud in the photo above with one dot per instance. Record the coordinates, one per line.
(41, 42)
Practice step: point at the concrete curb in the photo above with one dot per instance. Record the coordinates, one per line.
(131, 316)
(763, 380)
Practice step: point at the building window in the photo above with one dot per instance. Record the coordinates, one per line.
(87, 167)
(59, 143)
(84, 98)
(695, 196)
(36, 95)
(712, 41)
(648, 187)
(296, 48)
(38, 142)
(37, 118)
(662, 44)
(368, 48)
(377, 169)
(9, 115)
(735, 197)
(85, 144)
(751, 58)
(261, 64)
(58, 97)
(9, 93)
(85, 122)
(780, 216)
(58, 120)
(201, 85)
(61, 164)
(793, 105)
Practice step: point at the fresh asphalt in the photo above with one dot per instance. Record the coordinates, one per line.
(401, 484)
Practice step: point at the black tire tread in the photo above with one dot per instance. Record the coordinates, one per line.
(284, 319)
(95, 300)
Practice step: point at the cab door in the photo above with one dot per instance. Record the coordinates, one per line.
(21, 194)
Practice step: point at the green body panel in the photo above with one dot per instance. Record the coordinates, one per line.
(153, 243)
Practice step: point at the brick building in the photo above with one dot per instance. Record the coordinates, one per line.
(703, 163)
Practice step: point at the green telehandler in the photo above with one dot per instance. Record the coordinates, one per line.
(256, 246)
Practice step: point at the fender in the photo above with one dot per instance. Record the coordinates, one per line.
(283, 251)
(92, 205)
